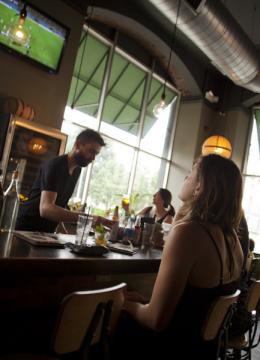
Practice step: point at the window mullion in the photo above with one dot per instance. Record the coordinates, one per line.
(106, 80)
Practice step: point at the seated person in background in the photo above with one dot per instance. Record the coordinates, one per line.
(201, 260)
(162, 210)
(55, 184)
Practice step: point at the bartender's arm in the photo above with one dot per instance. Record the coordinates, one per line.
(49, 210)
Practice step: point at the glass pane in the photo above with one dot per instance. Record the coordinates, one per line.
(147, 179)
(251, 206)
(251, 202)
(110, 176)
(72, 130)
(121, 116)
(253, 162)
(88, 75)
(157, 131)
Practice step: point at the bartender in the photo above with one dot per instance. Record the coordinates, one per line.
(55, 183)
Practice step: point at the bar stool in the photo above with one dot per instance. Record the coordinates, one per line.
(241, 347)
(218, 320)
(85, 318)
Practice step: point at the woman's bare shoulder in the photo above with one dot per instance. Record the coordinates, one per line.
(186, 232)
(187, 226)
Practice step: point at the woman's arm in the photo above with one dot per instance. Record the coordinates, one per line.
(176, 264)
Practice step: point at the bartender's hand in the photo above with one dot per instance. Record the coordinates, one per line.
(97, 220)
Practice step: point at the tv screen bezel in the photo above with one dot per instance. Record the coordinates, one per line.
(35, 62)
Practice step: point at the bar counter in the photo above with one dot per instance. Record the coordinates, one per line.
(39, 277)
(19, 257)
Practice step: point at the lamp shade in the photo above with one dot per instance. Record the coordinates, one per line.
(217, 144)
(37, 146)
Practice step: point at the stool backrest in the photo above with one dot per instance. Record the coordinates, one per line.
(218, 316)
(87, 316)
(253, 296)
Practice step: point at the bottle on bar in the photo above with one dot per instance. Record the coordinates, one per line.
(10, 203)
(115, 216)
(138, 231)
(115, 226)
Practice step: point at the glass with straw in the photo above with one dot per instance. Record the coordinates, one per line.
(84, 225)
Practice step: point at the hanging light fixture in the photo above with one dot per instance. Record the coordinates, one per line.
(158, 108)
(217, 144)
(18, 33)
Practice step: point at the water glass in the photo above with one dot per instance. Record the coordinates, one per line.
(147, 236)
(84, 225)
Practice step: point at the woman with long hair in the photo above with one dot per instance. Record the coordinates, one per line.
(202, 259)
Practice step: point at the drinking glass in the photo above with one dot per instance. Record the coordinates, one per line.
(147, 236)
(84, 224)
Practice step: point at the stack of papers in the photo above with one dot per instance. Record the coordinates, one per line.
(40, 239)
(122, 248)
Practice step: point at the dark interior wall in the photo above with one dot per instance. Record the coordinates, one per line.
(46, 93)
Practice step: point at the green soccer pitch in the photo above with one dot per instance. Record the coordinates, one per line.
(45, 46)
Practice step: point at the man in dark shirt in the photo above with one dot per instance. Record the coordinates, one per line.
(55, 184)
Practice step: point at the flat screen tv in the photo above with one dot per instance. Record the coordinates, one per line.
(47, 37)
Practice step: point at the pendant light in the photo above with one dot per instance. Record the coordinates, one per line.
(88, 17)
(18, 32)
(217, 144)
(158, 108)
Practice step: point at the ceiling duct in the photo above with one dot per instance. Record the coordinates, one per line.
(210, 26)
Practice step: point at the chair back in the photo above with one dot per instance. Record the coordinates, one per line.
(218, 316)
(87, 316)
(253, 296)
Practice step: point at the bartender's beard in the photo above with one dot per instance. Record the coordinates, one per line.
(81, 160)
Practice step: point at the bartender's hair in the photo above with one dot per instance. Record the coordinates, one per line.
(90, 135)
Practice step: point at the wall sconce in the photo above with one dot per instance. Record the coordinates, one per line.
(158, 108)
(217, 144)
(18, 32)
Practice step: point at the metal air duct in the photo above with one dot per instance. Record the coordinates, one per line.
(213, 29)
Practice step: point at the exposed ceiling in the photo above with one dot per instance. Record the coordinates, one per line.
(246, 14)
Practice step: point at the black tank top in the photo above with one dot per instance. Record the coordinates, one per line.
(195, 302)
(159, 221)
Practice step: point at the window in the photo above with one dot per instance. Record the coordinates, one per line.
(251, 174)
(85, 90)
(114, 94)
(124, 99)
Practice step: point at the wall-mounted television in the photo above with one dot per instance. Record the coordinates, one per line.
(47, 37)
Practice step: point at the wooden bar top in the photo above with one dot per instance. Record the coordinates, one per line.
(19, 257)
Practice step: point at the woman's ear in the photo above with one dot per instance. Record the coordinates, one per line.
(197, 190)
